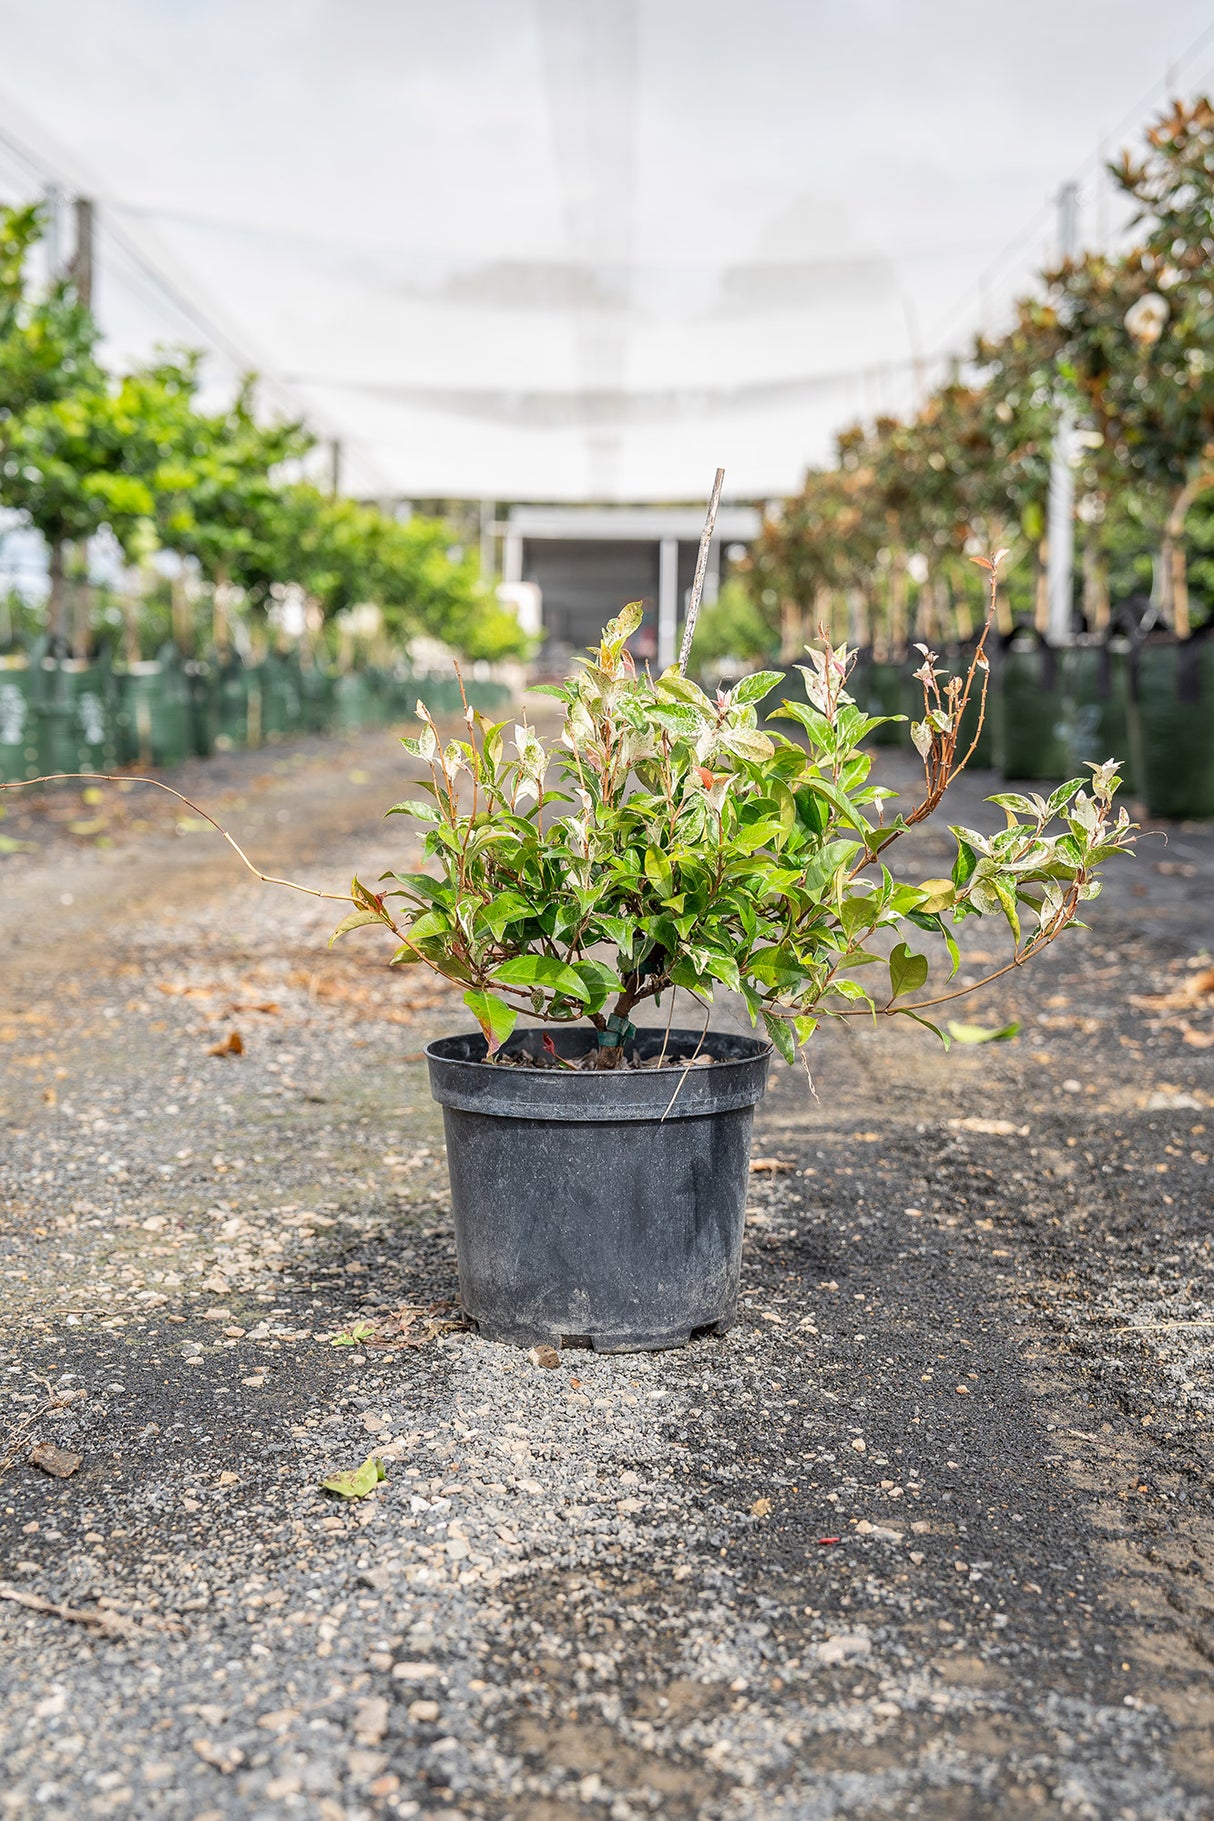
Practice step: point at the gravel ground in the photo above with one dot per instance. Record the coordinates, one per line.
(928, 1533)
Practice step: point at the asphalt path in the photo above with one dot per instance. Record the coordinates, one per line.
(928, 1533)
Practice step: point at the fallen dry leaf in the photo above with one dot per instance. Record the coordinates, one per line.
(993, 1128)
(60, 1463)
(764, 1166)
(231, 1045)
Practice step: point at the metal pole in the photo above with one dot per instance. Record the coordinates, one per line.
(668, 600)
(512, 556)
(1061, 552)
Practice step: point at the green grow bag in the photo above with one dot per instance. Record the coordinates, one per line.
(316, 689)
(155, 724)
(1173, 725)
(74, 709)
(1028, 714)
(984, 752)
(351, 702)
(883, 690)
(231, 703)
(203, 686)
(487, 696)
(281, 696)
(18, 727)
(1096, 699)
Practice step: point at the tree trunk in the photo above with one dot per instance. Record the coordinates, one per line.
(1180, 591)
(130, 622)
(219, 610)
(897, 607)
(1041, 598)
(183, 630)
(963, 617)
(792, 631)
(858, 631)
(56, 606)
(82, 607)
(1095, 580)
(925, 617)
(823, 613)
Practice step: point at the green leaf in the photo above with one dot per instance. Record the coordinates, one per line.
(424, 812)
(356, 920)
(354, 1336)
(965, 862)
(905, 1012)
(977, 1033)
(1007, 899)
(907, 971)
(782, 1035)
(429, 925)
(495, 1017)
(659, 872)
(600, 980)
(357, 1481)
(507, 907)
(542, 970)
(754, 688)
(938, 894)
(421, 885)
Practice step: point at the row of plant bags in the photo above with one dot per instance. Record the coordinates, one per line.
(57, 713)
(1148, 703)
(1172, 725)
(1056, 711)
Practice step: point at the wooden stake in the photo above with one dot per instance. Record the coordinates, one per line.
(697, 586)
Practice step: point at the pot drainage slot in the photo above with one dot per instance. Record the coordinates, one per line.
(575, 1340)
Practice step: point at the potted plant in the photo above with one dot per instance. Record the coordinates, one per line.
(666, 840)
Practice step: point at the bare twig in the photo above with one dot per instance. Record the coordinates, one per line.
(113, 1624)
(105, 777)
(697, 586)
(688, 1065)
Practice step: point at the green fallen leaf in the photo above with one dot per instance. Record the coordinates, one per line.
(977, 1033)
(355, 1336)
(358, 1481)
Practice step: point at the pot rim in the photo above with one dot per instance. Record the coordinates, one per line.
(677, 1090)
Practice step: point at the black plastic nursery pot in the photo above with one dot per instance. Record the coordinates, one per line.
(603, 1208)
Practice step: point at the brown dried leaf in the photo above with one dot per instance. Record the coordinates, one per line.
(60, 1463)
(231, 1045)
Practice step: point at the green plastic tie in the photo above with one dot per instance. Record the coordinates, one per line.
(617, 1033)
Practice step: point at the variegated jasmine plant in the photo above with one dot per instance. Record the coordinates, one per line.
(665, 839)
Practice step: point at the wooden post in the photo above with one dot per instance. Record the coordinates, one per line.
(81, 269)
(697, 586)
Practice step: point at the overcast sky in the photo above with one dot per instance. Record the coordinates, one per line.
(562, 248)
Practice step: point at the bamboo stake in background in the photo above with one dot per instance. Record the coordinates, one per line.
(697, 586)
